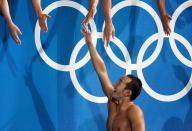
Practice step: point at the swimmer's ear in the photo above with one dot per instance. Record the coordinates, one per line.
(127, 93)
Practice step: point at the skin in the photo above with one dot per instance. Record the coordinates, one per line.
(109, 28)
(123, 114)
(164, 16)
(42, 17)
(92, 11)
(12, 27)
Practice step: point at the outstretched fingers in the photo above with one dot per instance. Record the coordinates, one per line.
(108, 39)
(48, 16)
(82, 22)
(104, 38)
(113, 34)
(83, 27)
(82, 33)
(87, 18)
(18, 30)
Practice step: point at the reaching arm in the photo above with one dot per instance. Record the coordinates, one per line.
(42, 17)
(98, 63)
(161, 6)
(109, 28)
(12, 27)
(137, 119)
(106, 6)
(37, 7)
(92, 11)
(164, 16)
(5, 9)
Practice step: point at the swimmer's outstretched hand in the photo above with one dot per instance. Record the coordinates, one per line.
(86, 33)
(43, 22)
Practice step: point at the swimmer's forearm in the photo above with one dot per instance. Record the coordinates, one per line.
(101, 70)
(37, 7)
(106, 7)
(5, 9)
(97, 61)
(161, 7)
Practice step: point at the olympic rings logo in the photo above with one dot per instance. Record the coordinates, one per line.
(127, 65)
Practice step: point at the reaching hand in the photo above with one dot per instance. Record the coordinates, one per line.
(165, 20)
(43, 22)
(108, 31)
(86, 33)
(90, 15)
(14, 30)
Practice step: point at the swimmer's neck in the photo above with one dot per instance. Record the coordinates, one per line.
(124, 104)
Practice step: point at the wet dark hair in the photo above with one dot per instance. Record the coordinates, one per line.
(135, 86)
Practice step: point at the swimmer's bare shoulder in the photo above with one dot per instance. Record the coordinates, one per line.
(0, 3)
(136, 118)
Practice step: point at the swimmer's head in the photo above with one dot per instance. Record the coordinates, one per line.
(128, 86)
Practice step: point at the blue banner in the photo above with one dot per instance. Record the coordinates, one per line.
(48, 82)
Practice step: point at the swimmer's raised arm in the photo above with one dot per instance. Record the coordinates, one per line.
(164, 16)
(42, 17)
(12, 27)
(98, 63)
